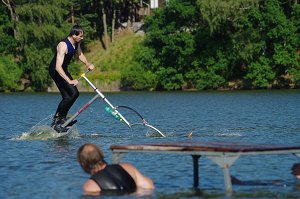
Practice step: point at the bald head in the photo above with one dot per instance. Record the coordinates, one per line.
(89, 157)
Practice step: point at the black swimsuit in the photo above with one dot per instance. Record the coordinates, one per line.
(68, 91)
(114, 177)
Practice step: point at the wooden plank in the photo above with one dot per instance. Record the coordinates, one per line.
(211, 146)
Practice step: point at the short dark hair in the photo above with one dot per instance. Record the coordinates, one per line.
(76, 30)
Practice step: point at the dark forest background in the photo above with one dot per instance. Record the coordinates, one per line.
(188, 44)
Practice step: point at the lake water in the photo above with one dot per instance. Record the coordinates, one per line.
(46, 167)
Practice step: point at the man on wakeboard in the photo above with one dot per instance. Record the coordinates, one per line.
(58, 70)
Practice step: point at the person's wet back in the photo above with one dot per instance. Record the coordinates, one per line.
(122, 177)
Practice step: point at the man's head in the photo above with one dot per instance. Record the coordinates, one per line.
(89, 157)
(296, 170)
(76, 33)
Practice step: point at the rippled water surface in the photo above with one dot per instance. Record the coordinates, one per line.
(43, 166)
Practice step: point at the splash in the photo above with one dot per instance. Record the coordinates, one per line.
(227, 135)
(43, 131)
(39, 133)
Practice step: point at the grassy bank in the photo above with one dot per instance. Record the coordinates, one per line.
(110, 62)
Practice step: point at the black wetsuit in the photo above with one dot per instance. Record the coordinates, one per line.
(114, 178)
(68, 91)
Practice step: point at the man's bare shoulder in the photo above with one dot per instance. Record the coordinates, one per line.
(91, 187)
(130, 169)
(127, 165)
(62, 47)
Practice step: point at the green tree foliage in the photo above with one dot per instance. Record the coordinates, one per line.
(216, 13)
(260, 73)
(10, 74)
(294, 69)
(169, 45)
(281, 39)
(135, 78)
(206, 44)
(41, 25)
(209, 76)
(133, 75)
(8, 44)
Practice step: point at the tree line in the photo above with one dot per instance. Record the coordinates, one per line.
(189, 44)
(31, 29)
(232, 44)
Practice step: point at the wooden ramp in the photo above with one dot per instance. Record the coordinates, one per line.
(222, 153)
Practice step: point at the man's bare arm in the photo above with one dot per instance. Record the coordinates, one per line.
(61, 52)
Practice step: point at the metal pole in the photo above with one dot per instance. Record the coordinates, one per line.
(78, 112)
(104, 99)
(196, 170)
(227, 180)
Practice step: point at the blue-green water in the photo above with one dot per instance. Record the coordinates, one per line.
(47, 168)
